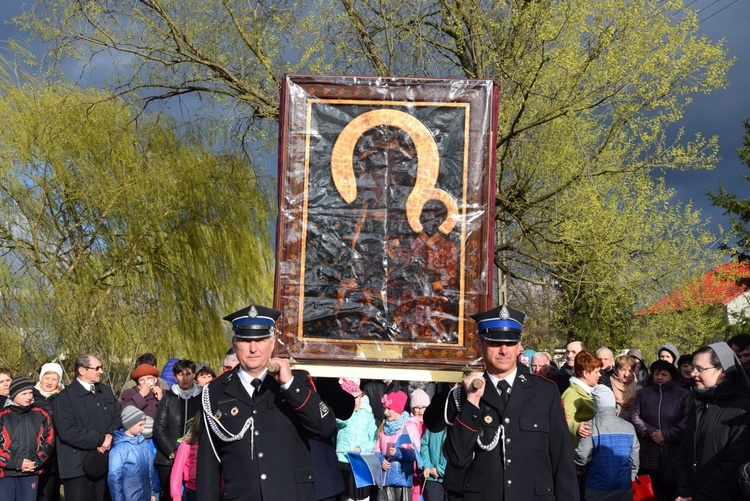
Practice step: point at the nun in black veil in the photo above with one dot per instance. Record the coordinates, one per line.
(717, 440)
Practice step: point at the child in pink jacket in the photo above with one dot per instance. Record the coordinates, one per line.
(185, 469)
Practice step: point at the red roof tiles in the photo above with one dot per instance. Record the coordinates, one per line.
(719, 286)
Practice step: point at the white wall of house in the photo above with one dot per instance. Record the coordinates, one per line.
(738, 308)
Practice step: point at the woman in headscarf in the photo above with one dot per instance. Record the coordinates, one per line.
(623, 385)
(717, 440)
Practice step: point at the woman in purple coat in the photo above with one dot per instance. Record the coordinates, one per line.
(660, 415)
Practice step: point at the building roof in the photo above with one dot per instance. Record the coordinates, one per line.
(719, 286)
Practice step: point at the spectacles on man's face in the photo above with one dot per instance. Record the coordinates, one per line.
(700, 370)
(95, 369)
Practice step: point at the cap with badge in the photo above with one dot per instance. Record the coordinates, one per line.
(502, 324)
(253, 322)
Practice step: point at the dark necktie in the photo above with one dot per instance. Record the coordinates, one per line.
(503, 387)
(256, 384)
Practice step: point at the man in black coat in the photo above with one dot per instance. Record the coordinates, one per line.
(508, 438)
(86, 414)
(259, 421)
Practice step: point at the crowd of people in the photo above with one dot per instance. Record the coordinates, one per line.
(526, 428)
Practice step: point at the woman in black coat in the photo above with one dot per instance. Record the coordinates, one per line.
(45, 392)
(717, 438)
(174, 414)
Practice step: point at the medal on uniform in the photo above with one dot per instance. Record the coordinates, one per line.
(218, 414)
(234, 411)
(488, 419)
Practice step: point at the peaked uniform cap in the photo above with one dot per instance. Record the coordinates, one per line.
(253, 322)
(500, 324)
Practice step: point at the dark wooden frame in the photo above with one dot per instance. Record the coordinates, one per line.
(314, 112)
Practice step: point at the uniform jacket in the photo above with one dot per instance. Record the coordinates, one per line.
(357, 431)
(667, 408)
(537, 460)
(717, 441)
(610, 455)
(25, 433)
(131, 477)
(272, 460)
(81, 420)
(579, 407)
(171, 422)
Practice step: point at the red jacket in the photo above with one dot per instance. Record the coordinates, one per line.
(25, 433)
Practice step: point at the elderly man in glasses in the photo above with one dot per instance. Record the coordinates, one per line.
(86, 414)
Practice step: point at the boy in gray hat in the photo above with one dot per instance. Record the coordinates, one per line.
(131, 475)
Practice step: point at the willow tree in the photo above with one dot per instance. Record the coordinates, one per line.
(591, 98)
(120, 236)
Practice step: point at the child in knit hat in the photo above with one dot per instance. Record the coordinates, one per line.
(26, 442)
(356, 434)
(131, 477)
(610, 452)
(418, 401)
(396, 448)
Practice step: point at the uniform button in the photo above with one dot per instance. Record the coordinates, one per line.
(254, 411)
(507, 440)
(296, 390)
(473, 416)
(535, 425)
(507, 420)
(510, 482)
(257, 433)
(509, 461)
(263, 476)
(260, 455)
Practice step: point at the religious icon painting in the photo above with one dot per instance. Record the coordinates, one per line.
(385, 232)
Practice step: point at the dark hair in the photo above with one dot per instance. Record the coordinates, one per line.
(741, 341)
(687, 358)
(194, 430)
(146, 358)
(183, 364)
(83, 360)
(586, 362)
(6, 371)
(663, 365)
(205, 369)
(715, 361)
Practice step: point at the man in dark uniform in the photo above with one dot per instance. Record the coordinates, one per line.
(508, 439)
(258, 422)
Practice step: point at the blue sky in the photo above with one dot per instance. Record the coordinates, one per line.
(720, 113)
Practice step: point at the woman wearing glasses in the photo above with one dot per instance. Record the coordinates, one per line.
(717, 441)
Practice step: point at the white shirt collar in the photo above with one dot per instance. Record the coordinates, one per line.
(510, 378)
(88, 386)
(247, 380)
